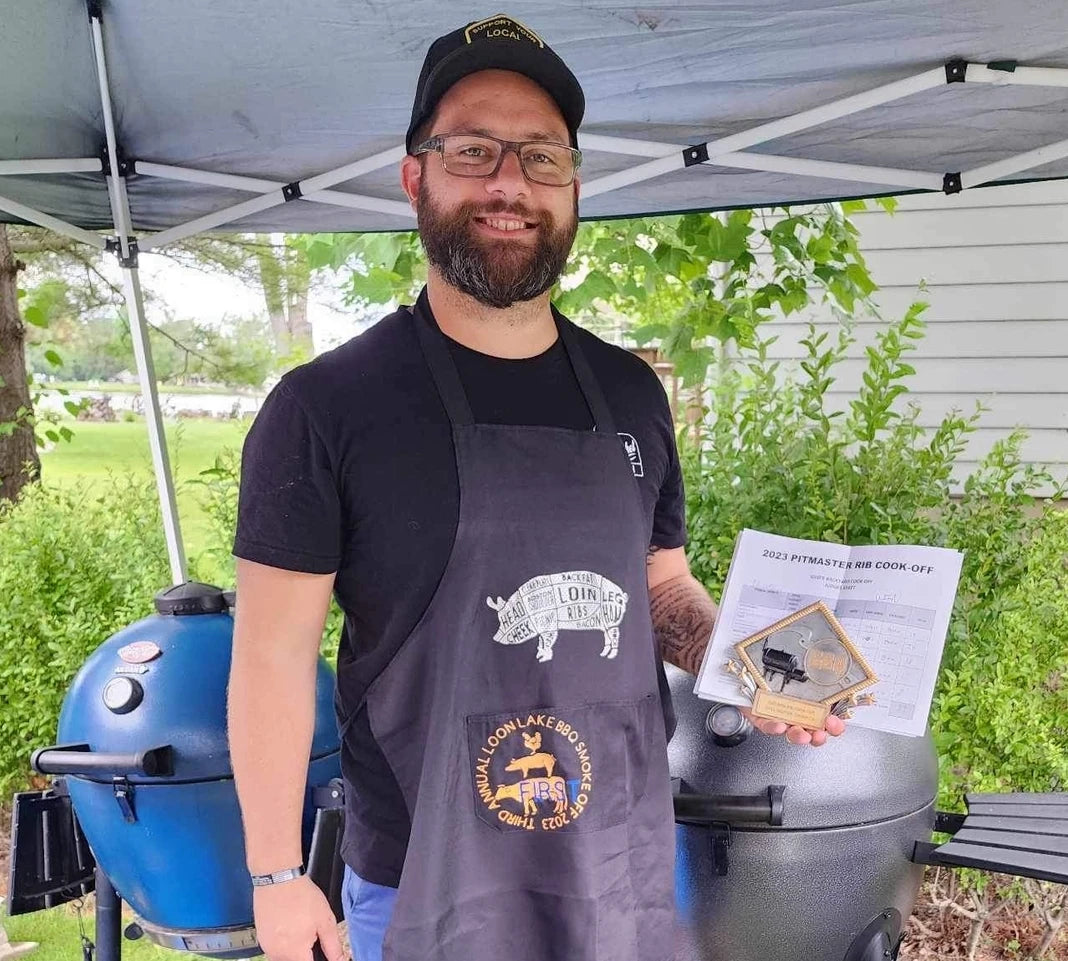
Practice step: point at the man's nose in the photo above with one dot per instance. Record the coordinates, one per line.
(509, 178)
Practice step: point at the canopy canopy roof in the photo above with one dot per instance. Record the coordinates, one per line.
(277, 92)
(152, 120)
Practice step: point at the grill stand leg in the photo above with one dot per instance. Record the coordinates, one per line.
(108, 919)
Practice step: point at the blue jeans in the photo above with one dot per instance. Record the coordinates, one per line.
(368, 908)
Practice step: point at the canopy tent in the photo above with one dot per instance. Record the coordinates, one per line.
(131, 124)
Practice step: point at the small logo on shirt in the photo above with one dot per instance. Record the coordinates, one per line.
(569, 601)
(630, 445)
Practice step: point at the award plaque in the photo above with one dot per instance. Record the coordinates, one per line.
(802, 669)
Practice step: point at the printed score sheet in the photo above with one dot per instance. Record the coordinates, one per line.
(894, 602)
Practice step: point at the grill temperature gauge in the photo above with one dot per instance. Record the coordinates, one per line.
(122, 694)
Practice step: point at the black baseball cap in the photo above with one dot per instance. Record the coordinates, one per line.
(500, 43)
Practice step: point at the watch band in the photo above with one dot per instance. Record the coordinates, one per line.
(278, 877)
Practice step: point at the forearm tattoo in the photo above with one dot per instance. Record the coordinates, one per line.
(683, 615)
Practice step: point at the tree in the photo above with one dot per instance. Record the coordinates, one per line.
(68, 293)
(691, 282)
(285, 276)
(19, 463)
(274, 263)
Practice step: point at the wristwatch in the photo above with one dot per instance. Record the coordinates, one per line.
(278, 877)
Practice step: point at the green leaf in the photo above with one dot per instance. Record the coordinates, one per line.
(72, 408)
(853, 206)
(648, 332)
(693, 366)
(378, 286)
(725, 243)
(860, 276)
(66, 433)
(53, 358)
(35, 315)
(641, 257)
(598, 284)
(671, 259)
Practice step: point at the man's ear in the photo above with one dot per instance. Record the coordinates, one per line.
(411, 173)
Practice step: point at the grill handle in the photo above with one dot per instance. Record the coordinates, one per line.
(79, 759)
(701, 809)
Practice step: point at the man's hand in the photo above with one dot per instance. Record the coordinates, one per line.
(290, 917)
(795, 734)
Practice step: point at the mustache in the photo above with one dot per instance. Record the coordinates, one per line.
(471, 210)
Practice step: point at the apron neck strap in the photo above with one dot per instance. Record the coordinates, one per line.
(442, 367)
(447, 380)
(591, 389)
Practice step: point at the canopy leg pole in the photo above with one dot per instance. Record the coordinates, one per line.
(135, 307)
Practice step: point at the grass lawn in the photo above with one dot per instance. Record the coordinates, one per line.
(56, 932)
(101, 449)
(58, 938)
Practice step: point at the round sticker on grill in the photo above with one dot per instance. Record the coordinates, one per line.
(140, 652)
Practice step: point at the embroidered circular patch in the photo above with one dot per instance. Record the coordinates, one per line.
(534, 772)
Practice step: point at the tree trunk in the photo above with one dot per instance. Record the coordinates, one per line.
(274, 297)
(19, 463)
(298, 280)
(285, 277)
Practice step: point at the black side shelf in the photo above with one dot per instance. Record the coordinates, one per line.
(1020, 834)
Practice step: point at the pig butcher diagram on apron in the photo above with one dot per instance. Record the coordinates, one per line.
(548, 604)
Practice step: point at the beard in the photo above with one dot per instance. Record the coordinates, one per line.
(495, 274)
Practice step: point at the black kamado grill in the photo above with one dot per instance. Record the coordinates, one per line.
(783, 853)
(786, 853)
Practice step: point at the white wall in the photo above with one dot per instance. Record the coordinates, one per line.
(996, 266)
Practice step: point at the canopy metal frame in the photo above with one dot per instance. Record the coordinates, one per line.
(659, 159)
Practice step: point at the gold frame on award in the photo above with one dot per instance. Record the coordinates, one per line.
(815, 655)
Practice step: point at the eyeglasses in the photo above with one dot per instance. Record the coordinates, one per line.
(474, 155)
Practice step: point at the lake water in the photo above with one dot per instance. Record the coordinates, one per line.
(211, 405)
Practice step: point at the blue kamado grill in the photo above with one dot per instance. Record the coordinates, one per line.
(145, 765)
(783, 853)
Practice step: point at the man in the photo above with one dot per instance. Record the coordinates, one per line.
(494, 496)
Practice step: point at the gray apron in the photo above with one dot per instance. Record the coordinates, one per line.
(522, 717)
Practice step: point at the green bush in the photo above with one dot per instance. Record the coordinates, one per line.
(1000, 715)
(772, 454)
(74, 568)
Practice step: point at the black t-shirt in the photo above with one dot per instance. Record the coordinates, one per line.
(349, 467)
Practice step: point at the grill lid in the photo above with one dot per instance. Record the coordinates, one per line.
(861, 777)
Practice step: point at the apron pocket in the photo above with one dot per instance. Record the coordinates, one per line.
(571, 769)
